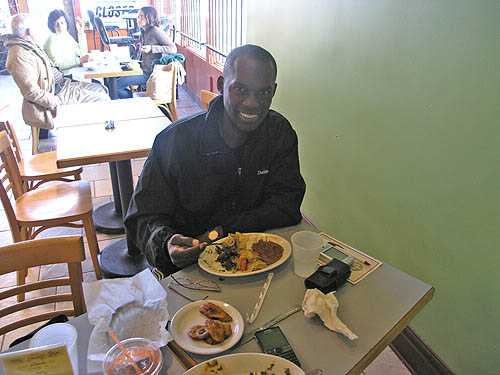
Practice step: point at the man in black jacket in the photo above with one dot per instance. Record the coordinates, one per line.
(234, 168)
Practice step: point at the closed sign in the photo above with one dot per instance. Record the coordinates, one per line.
(111, 11)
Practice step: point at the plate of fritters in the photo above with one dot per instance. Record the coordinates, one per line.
(246, 364)
(242, 254)
(207, 327)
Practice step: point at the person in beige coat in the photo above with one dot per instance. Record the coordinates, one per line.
(42, 85)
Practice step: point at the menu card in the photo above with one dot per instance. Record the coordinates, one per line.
(363, 264)
(50, 359)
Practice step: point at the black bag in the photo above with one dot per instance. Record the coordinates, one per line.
(329, 277)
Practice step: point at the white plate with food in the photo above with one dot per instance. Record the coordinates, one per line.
(244, 364)
(207, 327)
(243, 254)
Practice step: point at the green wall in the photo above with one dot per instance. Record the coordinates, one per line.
(397, 108)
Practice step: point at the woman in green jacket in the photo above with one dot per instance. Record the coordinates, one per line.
(61, 48)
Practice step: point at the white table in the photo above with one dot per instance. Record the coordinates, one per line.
(110, 72)
(99, 112)
(377, 309)
(84, 328)
(108, 218)
(91, 144)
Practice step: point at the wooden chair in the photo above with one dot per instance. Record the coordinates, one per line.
(58, 205)
(40, 168)
(206, 97)
(36, 253)
(168, 104)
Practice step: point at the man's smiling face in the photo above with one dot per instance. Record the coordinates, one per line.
(248, 92)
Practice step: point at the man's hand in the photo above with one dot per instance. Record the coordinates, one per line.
(85, 58)
(184, 251)
(146, 48)
(79, 25)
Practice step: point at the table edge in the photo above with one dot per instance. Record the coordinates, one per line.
(87, 160)
(116, 74)
(181, 355)
(392, 334)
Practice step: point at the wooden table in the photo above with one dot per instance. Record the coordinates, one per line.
(91, 144)
(108, 218)
(109, 72)
(377, 309)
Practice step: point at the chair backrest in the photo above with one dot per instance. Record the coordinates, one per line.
(10, 183)
(173, 101)
(36, 253)
(101, 30)
(206, 97)
(11, 133)
(91, 17)
(173, 84)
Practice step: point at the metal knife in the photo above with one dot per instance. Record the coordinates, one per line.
(251, 335)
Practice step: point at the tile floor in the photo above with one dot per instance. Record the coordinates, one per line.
(98, 175)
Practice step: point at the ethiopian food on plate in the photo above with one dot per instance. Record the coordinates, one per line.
(214, 331)
(246, 364)
(207, 327)
(244, 253)
(214, 367)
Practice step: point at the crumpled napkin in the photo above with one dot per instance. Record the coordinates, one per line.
(132, 307)
(325, 305)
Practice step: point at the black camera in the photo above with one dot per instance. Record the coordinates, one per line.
(329, 277)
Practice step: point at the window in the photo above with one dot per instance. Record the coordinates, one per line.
(226, 27)
(193, 13)
(210, 27)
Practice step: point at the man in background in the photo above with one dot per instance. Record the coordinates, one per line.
(42, 85)
(233, 168)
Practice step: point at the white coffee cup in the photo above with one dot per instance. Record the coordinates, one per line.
(59, 333)
(306, 249)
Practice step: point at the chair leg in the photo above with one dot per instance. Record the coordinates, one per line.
(35, 140)
(21, 274)
(90, 232)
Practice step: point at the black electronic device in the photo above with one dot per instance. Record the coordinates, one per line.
(329, 277)
(273, 341)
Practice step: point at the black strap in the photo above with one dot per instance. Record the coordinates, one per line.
(56, 319)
